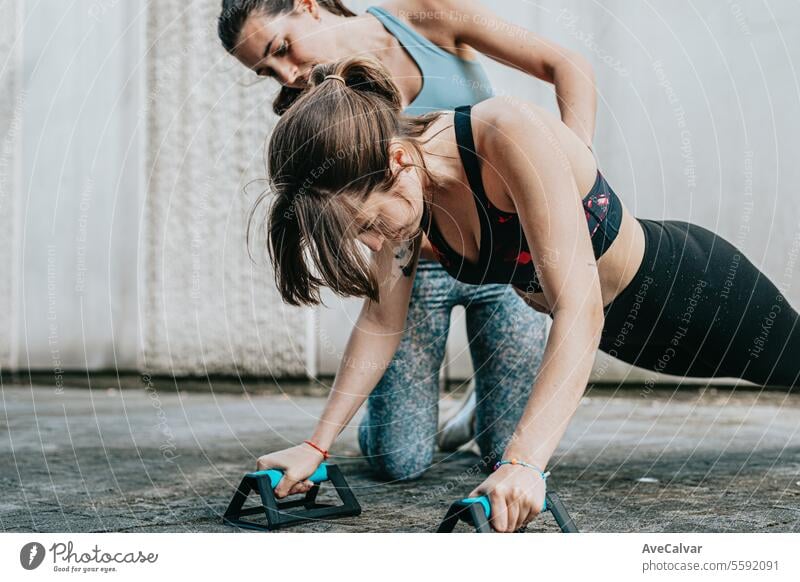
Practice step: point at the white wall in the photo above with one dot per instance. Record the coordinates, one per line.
(206, 307)
(122, 207)
(11, 111)
(122, 210)
(699, 120)
(78, 195)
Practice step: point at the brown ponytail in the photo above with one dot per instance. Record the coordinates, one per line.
(327, 154)
(287, 95)
(367, 77)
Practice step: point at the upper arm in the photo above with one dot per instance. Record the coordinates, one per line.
(396, 267)
(540, 180)
(473, 24)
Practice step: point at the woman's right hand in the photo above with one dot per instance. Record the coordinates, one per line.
(297, 463)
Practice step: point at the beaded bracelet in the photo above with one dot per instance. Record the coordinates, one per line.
(502, 462)
(319, 449)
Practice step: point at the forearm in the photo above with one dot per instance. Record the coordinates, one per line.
(569, 71)
(576, 92)
(367, 355)
(560, 384)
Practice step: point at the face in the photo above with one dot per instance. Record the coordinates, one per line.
(399, 209)
(286, 46)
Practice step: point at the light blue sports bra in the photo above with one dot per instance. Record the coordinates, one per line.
(447, 80)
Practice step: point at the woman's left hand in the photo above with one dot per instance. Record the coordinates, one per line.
(516, 494)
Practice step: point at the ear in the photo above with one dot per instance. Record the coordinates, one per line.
(310, 6)
(399, 158)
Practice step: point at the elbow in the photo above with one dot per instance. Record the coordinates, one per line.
(594, 319)
(597, 324)
(597, 317)
(588, 319)
(383, 321)
(574, 63)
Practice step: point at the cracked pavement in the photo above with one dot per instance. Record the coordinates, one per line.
(167, 460)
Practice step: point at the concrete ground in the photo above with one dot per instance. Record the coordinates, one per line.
(159, 460)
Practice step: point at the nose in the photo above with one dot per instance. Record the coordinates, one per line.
(287, 76)
(374, 242)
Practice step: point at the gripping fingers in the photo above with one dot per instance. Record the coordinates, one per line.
(528, 512)
(301, 487)
(286, 486)
(527, 515)
(514, 515)
(499, 519)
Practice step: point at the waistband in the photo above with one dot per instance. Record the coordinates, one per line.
(640, 276)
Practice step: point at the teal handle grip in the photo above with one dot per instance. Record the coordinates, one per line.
(275, 475)
(487, 507)
(483, 500)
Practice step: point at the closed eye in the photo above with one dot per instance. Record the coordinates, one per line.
(282, 49)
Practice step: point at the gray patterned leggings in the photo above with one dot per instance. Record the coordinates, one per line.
(506, 339)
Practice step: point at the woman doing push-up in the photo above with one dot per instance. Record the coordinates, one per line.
(506, 194)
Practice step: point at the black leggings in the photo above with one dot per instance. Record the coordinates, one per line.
(698, 307)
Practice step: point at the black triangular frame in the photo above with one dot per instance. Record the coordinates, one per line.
(276, 512)
(475, 515)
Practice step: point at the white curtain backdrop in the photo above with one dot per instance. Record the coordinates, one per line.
(11, 109)
(206, 307)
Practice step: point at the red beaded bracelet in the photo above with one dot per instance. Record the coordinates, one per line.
(324, 453)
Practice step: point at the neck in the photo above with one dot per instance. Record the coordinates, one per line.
(440, 156)
(357, 35)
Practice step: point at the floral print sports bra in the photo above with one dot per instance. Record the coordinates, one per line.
(504, 256)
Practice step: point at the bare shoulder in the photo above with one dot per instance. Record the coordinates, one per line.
(415, 11)
(430, 5)
(505, 119)
(437, 20)
(512, 133)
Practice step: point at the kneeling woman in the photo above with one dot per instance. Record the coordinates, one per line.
(505, 192)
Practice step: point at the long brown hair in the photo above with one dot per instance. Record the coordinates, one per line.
(326, 155)
(236, 12)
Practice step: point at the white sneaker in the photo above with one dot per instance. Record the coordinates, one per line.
(459, 429)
